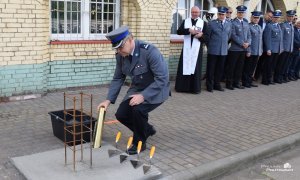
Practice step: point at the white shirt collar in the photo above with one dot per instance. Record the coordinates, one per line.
(133, 49)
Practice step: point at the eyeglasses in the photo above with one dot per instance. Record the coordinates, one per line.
(229, 12)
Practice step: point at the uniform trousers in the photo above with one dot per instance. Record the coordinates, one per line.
(136, 119)
(249, 67)
(293, 67)
(214, 71)
(234, 68)
(259, 66)
(269, 62)
(281, 66)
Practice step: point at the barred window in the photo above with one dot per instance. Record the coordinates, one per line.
(83, 19)
(180, 12)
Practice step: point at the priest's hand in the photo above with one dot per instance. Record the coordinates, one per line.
(198, 35)
(193, 31)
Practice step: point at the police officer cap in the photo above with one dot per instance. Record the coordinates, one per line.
(277, 14)
(222, 10)
(256, 13)
(241, 8)
(117, 36)
(291, 13)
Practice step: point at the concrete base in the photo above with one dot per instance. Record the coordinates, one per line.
(50, 165)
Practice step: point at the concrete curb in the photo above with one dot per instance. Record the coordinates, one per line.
(222, 166)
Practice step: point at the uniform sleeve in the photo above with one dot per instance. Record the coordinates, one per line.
(117, 82)
(267, 37)
(204, 38)
(296, 39)
(207, 33)
(249, 40)
(182, 31)
(159, 68)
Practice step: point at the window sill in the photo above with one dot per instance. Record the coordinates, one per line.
(56, 42)
(176, 41)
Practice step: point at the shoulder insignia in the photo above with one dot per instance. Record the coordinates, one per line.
(144, 46)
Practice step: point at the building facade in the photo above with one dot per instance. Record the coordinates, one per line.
(47, 45)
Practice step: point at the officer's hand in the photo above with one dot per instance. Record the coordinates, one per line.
(246, 45)
(248, 54)
(136, 99)
(269, 53)
(104, 104)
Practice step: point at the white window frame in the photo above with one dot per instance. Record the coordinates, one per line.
(85, 23)
(190, 3)
(268, 2)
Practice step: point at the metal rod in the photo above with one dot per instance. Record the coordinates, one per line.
(65, 138)
(74, 133)
(91, 133)
(81, 127)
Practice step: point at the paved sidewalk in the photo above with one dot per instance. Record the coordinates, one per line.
(193, 130)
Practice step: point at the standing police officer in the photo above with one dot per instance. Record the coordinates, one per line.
(240, 41)
(217, 34)
(287, 28)
(148, 71)
(272, 42)
(254, 51)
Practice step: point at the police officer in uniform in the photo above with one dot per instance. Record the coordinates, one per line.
(285, 58)
(148, 71)
(272, 44)
(240, 41)
(217, 35)
(254, 51)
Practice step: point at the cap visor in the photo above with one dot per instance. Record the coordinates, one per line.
(117, 45)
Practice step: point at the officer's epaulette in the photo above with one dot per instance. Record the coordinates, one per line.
(144, 46)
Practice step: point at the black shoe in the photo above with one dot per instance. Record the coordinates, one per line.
(253, 85)
(247, 85)
(284, 81)
(278, 82)
(229, 87)
(151, 131)
(239, 86)
(209, 89)
(272, 83)
(265, 83)
(291, 79)
(219, 89)
(133, 149)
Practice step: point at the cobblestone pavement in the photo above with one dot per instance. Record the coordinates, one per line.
(192, 129)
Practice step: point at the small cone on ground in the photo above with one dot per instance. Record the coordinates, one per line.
(147, 167)
(136, 162)
(115, 152)
(123, 157)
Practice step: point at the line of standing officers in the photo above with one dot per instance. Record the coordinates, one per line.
(239, 51)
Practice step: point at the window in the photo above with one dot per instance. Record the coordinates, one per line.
(265, 5)
(83, 19)
(182, 11)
